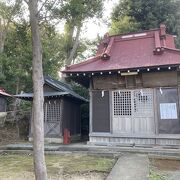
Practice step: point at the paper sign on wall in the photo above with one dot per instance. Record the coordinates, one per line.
(168, 111)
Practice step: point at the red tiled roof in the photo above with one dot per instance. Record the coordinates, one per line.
(2, 92)
(140, 50)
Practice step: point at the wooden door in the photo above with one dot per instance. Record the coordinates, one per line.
(122, 111)
(52, 118)
(133, 111)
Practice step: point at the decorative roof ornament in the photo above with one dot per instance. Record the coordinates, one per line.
(106, 40)
(159, 49)
(107, 47)
(163, 30)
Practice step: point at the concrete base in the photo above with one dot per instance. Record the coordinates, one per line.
(50, 140)
(59, 139)
(145, 141)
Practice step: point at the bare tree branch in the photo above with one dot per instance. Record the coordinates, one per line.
(45, 2)
(42, 7)
(26, 1)
(75, 46)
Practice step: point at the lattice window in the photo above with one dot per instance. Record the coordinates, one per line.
(122, 103)
(143, 103)
(52, 111)
(137, 103)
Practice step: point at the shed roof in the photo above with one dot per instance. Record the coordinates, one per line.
(29, 96)
(153, 48)
(62, 89)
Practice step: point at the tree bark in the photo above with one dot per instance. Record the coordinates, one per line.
(75, 46)
(38, 99)
(69, 31)
(2, 36)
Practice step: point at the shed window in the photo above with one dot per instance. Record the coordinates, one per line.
(52, 111)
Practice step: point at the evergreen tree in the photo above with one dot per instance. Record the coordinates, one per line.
(130, 15)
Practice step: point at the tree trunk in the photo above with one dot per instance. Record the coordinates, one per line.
(69, 31)
(38, 99)
(2, 36)
(75, 46)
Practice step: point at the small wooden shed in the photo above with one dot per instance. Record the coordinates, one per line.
(3, 105)
(3, 100)
(61, 110)
(134, 82)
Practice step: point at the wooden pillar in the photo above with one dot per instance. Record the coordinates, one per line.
(156, 115)
(111, 111)
(61, 117)
(31, 123)
(90, 107)
(178, 90)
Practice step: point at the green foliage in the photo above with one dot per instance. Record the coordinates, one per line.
(20, 166)
(10, 9)
(155, 176)
(53, 50)
(87, 48)
(130, 15)
(123, 25)
(16, 60)
(75, 13)
(79, 89)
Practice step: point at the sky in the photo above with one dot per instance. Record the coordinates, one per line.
(93, 27)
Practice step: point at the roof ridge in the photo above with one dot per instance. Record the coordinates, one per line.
(171, 49)
(57, 81)
(136, 32)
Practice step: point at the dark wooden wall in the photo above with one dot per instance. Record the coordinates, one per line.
(159, 79)
(70, 119)
(71, 116)
(100, 112)
(146, 80)
(168, 126)
(2, 104)
(48, 88)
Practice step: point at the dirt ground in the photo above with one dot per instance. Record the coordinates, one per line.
(30, 176)
(8, 135)
(162, 169)
(60, 167)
